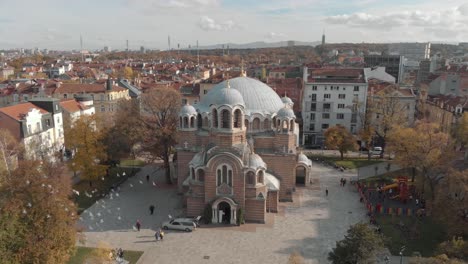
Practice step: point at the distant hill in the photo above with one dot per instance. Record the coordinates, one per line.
(260, 45)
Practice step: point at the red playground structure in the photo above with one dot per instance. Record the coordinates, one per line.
(402, 186)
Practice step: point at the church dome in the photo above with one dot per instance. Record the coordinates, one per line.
(254, 95)
(287, 100)
(187, 110)
(301, 158)
(255, 161)
(286, 112)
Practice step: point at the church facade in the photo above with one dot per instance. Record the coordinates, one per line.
(238, 150)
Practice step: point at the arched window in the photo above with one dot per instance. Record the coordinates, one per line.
(214, 118)
(284, 125)
(266, 124)
(224, 175)
(291, 125)
(205, 122)
(260, 177)
(185, 122)
(192, 122)
(246, 122)
(201, 175)
(225, 119)
(199, 121)
(250, 178)
(237, 118)
(192, 173)
(274, 121)
(256, 124)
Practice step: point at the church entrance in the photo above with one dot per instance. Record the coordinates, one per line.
(300, 175)
(224, 210)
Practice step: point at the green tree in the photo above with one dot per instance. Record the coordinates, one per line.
(424, 147)
(37, 218)
(338, 137)
(88, 150)
(360, 245)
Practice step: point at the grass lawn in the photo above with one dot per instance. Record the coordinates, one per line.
(102, 187)
(347, 163)
(417, 235)
(132, 163)
(84, 252)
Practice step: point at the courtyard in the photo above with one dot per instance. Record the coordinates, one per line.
(310, 225)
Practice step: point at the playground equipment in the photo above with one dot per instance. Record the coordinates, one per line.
(402, 185)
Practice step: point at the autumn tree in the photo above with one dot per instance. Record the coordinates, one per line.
(37, 218)
(460, 133)
(367, 131)
(338, 137)
(10, 150)
(159, 117)
(125, 72)
(359, 246)
(387, 112)
(85, 141)
(424, 147)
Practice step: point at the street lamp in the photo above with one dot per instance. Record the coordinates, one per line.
(401, 254)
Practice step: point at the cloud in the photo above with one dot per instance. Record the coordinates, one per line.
(274, 35)
(158, 4)
(209, 24)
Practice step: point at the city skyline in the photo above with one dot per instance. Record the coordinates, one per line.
(58, 25)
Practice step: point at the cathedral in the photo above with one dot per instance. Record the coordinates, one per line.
(238, 150)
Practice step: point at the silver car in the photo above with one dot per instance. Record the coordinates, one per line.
(179, 224)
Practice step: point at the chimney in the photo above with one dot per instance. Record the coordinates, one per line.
(109, 84)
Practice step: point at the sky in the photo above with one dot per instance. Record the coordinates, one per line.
(58, 24)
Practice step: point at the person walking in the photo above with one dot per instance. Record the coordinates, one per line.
(157, 235)
(151, 208)
(147, 178)
(326, 192)
(161, 234)
(138, 225)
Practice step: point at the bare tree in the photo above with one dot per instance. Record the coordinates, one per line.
(10, 149)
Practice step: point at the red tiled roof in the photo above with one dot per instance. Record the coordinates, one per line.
(18, 111)
(71, 105)
(85, 88)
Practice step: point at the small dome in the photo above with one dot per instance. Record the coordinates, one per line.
(301, 158)
(255, 161)
(187, 110)
(286, 112)
(287, 100)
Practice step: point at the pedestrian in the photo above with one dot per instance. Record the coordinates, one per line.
(147, 178)
(341, 182)
(344, 182)
(151, 208)
(161, 234)
(157, 235)
(138, 225)
(120, 253)
(326, 192)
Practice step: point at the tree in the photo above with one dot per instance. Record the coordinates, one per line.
(367, 131)
(424, 147)
(440, 259)
(159, 117)
(338, 137)
(126, 72)
(295, 258)
(455, 248)
(460, 133)
(85, 141)
(37, 218)
(10, 149)
(387, 112)
(360, 244)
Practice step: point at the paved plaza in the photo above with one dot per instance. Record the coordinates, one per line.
(311, 225)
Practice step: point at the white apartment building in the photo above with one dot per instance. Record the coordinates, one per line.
(332, 96)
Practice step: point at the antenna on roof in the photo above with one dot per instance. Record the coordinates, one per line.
(81, 48)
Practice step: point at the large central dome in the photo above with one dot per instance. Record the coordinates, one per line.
(258, 97)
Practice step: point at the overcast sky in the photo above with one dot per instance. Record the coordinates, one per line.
(57, 24)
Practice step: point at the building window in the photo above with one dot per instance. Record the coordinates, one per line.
(192, 122)
(205, 122)
(312, 127)
(353, 129)
(341, 96)
(312, 117)
(205, 91)
(102, 97)
(266, 124)
(256, 124)
(356, 88)
(314, 88)
(326, 116)
(184, 101)
(354, 118)
(326, 107)
(341, 106)
(339, 116)
(225, 119)
(65, 96)
(250, 178)
(313, 107)
(260, 177)
(224, 175)
(214, 118)
(314, 97)
(48, 122)
(38, 126)
(324, 126)
(326, 96)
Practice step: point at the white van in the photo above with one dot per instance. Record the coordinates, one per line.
(376, 150)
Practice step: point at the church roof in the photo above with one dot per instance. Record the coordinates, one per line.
(286, 112)
(256, 96)
(187, 110)
(272, 182)
(301, 158)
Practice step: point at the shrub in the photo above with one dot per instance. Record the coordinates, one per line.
(240, 216)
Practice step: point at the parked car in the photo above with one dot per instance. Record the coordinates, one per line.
(376, 150)
(195, 220)
(180, 224)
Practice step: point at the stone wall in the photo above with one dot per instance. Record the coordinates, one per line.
(255, 210)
